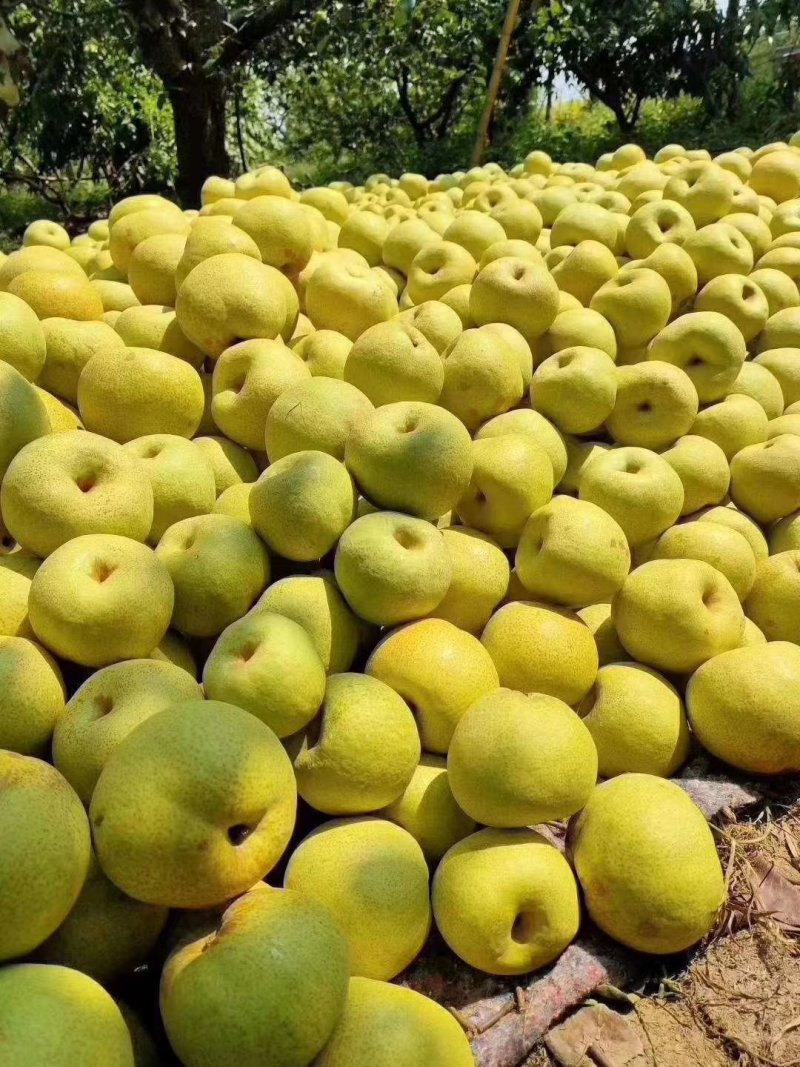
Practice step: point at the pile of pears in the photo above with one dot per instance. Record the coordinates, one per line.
(350, 536)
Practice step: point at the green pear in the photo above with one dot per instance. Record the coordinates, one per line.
(139, 391)
(428, 809)
(23, 416)
(411, 456)
(361, 752)
(182, 482)
(230, 463)
(674, 614)
(637, 488)
(572, 552)
(81, 596)
(482, 377)
(743, 707)
(598, 618)
(772, 599)
(393, 361)
(541, 649)
(764, 478)
(385, 1025)
(34, 694)
(233, 297)
(45, 841)
(16, 573)
(372, 877)
(733, 423)
(512, 476)
(656, 403)
(439, 670)
(724, 549)
(314, 601)
(271, 954)
(22, 337)
(51, 1014)
(637, 721)
(659, 888)
(506, 901)
(302, 504)
(106, 708)
(194, 806)
(392, 568)
(318, 414)
(106, 934)
(707, 346)
(517, 760)
(703, 469)
(68, 484)
(218, 566)
(479, 582)
(267, 664)
(248, 379)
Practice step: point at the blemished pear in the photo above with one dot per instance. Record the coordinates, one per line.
(656, 891)
(516, 760)
(637, 721)
(106, 708)
(674, 614)
(210, 817)
(439, 670)
(361, 752)
(267, 664)
(428, 809)
(385, 1025)
(52, 1014)
(46, 844)
(372, 877)
(270, 954)
(743, 707)
(506, 901)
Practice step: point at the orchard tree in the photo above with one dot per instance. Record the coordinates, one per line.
(195, 48)
(624, 52)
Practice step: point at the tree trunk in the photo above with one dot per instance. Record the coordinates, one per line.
(198, 108)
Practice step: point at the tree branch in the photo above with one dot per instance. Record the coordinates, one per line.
(405, 103)
(249, 34)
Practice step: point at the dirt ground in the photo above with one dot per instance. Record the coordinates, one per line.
(738, 1002)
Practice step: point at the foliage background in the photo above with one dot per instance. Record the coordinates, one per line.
(344, 88)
